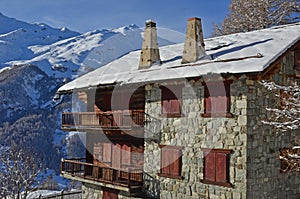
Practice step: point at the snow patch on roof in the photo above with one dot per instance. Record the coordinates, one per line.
(237, 53)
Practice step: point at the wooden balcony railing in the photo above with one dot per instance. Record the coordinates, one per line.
(79, 168)
(127, 119)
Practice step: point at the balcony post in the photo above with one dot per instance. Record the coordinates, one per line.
(129, 177)
(72, 167)
(62, 165)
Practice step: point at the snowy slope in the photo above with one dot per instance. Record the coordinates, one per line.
(16, 36)
(79, 54)
(61, 52)
(87, 51)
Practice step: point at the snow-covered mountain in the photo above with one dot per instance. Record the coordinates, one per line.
(16, 36)
(62, 52)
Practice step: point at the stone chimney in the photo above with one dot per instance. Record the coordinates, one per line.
(150, 51)
(194, 42)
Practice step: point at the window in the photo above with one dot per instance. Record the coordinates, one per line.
(216, 167)
(217, 99)
(171, 101)
(171, 161)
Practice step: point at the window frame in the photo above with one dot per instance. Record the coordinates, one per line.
(209, 97)
(218, 179)
(171, 165)
(169, 98)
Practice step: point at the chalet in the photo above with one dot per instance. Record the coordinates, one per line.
(184, 120)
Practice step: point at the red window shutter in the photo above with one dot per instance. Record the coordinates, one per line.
(208, 104)
(105, 195)
(208, 100)
(216, 166)
(297, 59)
(176, 163)
(175, 106)
(166, 106)
(171, 99)
(106, 152)
(126, 155)
(171, 161)
(221, 167)
(209, 167)
(165, 160)
(109, 193)
(217, 97)
(220, 104)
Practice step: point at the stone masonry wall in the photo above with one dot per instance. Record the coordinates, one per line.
(263, 165)
(194, 132)
(90, 191)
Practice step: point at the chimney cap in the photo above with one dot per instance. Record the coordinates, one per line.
(150, 23)
(193, 19)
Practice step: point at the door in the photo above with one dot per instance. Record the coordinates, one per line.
(109, 194)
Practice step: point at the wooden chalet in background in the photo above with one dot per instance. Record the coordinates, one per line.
(184, 121)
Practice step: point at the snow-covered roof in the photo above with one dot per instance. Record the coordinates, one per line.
(236, 53)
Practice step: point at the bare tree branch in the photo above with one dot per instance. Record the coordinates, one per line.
(18, 173)
(252, 15)
(285, 116)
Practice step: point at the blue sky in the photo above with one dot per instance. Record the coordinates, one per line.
(85, 15)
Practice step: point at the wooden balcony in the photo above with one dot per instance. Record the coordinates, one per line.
(111, 120)
(130, 180)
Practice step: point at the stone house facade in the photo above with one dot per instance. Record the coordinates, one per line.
(201, 134)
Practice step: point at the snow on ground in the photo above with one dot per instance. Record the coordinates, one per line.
(54, 194)
(62, 182)
(16, 36)
(38, 193)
